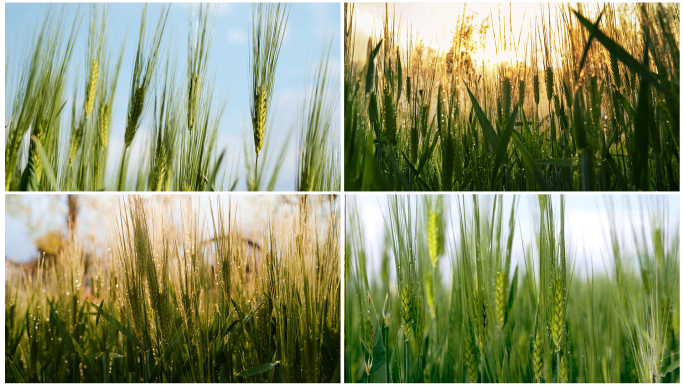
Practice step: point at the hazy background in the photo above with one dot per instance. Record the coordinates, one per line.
(586, 223)
(310, 27)
(28, 217)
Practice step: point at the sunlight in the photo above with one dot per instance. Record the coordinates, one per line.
(435, 24)
(491, 58)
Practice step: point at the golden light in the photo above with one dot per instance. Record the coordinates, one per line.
(435, 24)
(492, 58)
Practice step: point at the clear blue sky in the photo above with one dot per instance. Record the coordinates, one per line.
(307, 29)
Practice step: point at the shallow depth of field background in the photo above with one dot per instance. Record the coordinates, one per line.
(586, 224)
(28, 217)
(310, 27)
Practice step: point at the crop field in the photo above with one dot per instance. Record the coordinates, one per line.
(443, 299)
(532, 97)
(181, 291)
(172, 112)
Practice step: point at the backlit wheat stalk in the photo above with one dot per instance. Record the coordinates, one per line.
(187, 293)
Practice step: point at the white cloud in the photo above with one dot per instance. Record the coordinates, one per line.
(237, 36)
(224, 9)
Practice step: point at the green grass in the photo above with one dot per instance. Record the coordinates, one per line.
(556, 120)
(481, 318)
(178, 296)
(55, 144)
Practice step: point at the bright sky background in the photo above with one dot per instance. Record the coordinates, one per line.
(587, 231)
(309, 28)
(44, 212)
(436, 22)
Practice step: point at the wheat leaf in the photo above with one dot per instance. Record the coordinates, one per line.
(487, 128)
(263, 368)
(502, 147)
(84, 358)
(673, 366)
(624, 56)
(169, 349)
(119, 326)
(18, 377)
(528, 161)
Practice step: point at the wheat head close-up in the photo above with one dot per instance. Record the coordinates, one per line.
(172, 97)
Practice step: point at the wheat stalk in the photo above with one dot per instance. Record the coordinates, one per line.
(268, 29)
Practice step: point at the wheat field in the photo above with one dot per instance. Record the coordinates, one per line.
(447, 296)
(182, 289)
(70, 128)
(575, 97)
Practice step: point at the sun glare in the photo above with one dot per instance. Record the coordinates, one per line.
(435, 25)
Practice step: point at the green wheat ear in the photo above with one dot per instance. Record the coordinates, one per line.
(74, 144)
(40, 132)
(549, 83)
(470, 358)
(136, 109)
(507, 93)
(521, 93)
(408, 89)
(390, 116)
(414, 143)
(535, 88)
(538, 357)
(406, 311)
(558, 319)
(259, 118)
(193, 98)
(91, 88)
(433, 241)
(104, 116)
(564, 369)
(500, 297)
(159, 170)
(269, 22)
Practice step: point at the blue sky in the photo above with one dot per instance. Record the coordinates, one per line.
(309, 28)
(586, 223)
